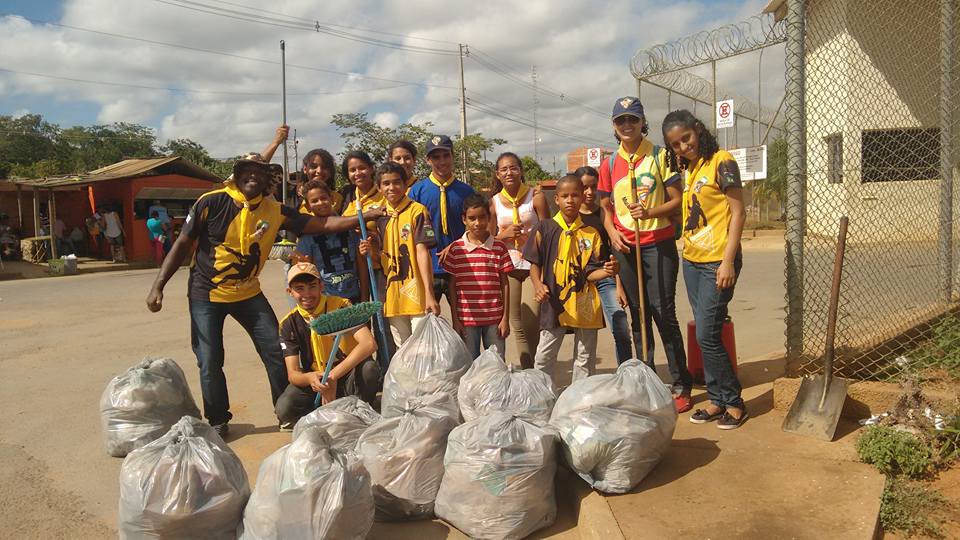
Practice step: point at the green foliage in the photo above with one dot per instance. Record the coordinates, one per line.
(894, 452)
(774, 186)
(195, 153)
(533, 173)
(912, 508)
(942, 350)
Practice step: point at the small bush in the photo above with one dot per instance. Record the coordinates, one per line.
(894, 452)
(912, 508)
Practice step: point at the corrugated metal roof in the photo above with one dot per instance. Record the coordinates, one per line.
(128, 168)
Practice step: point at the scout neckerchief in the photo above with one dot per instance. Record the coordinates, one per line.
(632, 161)
(516, 201)
(393, 250)
(443, 199)
(304, 209)
(567, 265)
(316, 345)
(245, 213)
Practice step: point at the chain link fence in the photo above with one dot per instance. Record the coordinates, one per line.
(872, 87)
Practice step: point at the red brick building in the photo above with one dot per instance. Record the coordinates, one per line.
(578, 158)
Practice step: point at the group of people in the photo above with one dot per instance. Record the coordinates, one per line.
(505, 264)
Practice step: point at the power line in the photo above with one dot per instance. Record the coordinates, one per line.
(187, 90)
(226, 54)
(302, 24)
(499, 113)
(521, 112)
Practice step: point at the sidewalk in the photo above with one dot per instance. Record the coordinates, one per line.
(85, 265)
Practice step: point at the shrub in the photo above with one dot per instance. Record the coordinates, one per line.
(912, 508)
(894, 452)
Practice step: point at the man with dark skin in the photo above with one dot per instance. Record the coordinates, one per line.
(234, 228)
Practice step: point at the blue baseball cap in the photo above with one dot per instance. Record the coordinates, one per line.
(627, 105)
(439, 141)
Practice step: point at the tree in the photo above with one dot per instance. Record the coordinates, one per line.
(533, 173)
(195, 153)
(774, 186)
(90, 148)
(25, 141)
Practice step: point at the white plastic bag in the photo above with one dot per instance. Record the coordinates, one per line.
(309, 489)
(490, 385)
(404, 456)
(344, 419)
(186, 484)
(615, 427)
(431, 361)
(142, 403)
(498, 479)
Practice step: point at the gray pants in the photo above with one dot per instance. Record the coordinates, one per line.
(584, 351)
(296, 402)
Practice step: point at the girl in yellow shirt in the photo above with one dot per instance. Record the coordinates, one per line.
(713, 217)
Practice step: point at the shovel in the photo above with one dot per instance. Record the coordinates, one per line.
(816, 411)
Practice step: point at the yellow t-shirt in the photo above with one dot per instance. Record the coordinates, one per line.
(373, 199)
(400, 231)
(297, 339)
(706, 212)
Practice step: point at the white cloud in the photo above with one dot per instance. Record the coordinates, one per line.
(579, 49)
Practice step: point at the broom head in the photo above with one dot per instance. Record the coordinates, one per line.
(282, 250)
(345, 319)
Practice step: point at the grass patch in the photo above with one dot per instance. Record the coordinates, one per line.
(941, 352)
(912, 507)
(894, 452)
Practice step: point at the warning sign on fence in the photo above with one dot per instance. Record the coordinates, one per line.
(752, 162)
(725, 114)
(593, 157)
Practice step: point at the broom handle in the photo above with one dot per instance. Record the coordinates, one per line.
(326, 371)
(374, 292)
(636, 247)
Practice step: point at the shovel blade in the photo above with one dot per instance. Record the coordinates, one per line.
(807, 417)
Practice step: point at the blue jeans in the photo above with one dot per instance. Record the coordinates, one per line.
(206, 337)
(709, 311)
(661, 264)
(473, 335)
(616, 318)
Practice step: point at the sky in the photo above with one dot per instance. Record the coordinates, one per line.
(209, 70)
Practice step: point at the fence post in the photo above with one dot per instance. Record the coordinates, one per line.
(796, 175)
(945, 236)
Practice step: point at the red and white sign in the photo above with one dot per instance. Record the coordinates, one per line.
(594, 157)
(725, 118)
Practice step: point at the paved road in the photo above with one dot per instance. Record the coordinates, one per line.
(62, 339)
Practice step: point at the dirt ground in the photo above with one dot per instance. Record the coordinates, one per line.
(63, 338)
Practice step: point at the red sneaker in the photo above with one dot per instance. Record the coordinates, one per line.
(682, 403)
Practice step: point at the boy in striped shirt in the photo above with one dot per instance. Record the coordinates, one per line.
(478, 265)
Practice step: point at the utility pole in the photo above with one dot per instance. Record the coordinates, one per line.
(283, 78)
(536, 106)
(463, 119)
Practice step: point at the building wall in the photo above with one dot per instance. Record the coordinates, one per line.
(578, 157)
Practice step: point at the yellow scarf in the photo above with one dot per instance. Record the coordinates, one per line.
(372, 198)
(567, 264)
(443, 199)
(393, 250)
(516, 201)
(304, 209)
(245, 212)
(316, 343)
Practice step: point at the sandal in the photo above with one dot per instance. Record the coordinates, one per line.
(702, 416)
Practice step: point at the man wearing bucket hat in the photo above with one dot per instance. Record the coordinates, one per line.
(443, 195)
(639, 194)
(234, 228)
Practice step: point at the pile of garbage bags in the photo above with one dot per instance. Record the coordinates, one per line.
(142, 403)
(498, 477)
(404, 455)
(309, 489)
(431, 361)
(615, 427)
(344, 419)
(490, 386)
(186, 484)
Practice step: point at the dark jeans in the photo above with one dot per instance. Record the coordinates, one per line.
(441, 286)
(206, 335)
(297, 402)
(661, 265)
(616, 319)
(709, 311)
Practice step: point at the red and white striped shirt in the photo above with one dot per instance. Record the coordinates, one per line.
(477, 269)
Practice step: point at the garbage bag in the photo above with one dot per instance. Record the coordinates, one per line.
(431, 361)
(344, 419)
(186, 484)
(498, 479)
(490, 385)
(142, 403)
(309, 489)
(615, 427)
(404, 455)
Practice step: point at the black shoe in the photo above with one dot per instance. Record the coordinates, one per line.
(222, 430)
(729, 422)
(701, 416)
(286, 427)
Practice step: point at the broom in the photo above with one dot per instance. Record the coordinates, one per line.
(282, 250)
(375, 293)
(339, 322)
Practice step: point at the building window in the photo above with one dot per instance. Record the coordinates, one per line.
(892, 155)
(835, 158)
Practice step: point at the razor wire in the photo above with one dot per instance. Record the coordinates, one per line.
(708, 46)
(694, 87)
(872, 133)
